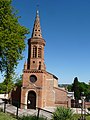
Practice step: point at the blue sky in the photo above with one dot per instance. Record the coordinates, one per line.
(65, 27)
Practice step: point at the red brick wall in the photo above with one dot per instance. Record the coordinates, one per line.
(87, 104)
(61, 97)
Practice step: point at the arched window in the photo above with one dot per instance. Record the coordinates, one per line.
(39, 52)
(34, 52)
(39, 66)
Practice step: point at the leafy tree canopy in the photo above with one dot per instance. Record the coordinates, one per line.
(12, 36)
(18, 81)
(78, 88)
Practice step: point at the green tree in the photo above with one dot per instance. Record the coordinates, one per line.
(69, 87)
(62, 113)
(18, 81)
(75, 88)
(83, 87)
(12, 44)
(78, 88)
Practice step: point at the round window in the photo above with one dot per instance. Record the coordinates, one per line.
(33, 78)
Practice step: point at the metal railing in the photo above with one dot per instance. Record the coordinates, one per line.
(17, 112)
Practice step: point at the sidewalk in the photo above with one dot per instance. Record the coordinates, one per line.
(13, 110)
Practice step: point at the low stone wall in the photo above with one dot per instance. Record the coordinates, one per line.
(87, 104)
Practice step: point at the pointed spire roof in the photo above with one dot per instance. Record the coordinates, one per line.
(37, 29)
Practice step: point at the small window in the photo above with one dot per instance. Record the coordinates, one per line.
(35, 30)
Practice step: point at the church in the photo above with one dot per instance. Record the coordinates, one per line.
(39, 87)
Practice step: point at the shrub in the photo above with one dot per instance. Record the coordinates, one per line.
(1, 109)
(62, 113)
(31, 118)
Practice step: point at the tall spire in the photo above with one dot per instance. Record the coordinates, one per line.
(37, 29)
(36, 47)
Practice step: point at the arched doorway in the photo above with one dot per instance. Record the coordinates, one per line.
(31, 101)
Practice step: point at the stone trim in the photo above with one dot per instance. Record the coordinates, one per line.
(33, 71)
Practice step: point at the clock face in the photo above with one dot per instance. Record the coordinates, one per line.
(33, 78)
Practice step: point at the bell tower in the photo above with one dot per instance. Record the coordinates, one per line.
(36, 47)
(39, 87)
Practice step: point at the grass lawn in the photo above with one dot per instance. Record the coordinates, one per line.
(88, 117)
(78, 116)
(5, 116)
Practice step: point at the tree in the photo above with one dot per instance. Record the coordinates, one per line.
(85, 88)
(12, 44)
(75, 88)
(69, 87)
(3, 87)
(78, 88)
(18, 81)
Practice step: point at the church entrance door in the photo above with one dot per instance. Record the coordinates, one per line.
(31, 101)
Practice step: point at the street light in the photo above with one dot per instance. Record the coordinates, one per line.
(82, 107)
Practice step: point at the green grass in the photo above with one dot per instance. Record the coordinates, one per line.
(76, 116)
(88, 117)
(32, 118)
(5, 116)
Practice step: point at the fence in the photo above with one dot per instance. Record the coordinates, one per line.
(17, 112)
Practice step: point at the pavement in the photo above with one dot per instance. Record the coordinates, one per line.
(1, 101)
(45, 112)
(24, 112)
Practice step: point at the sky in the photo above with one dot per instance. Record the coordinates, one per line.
(65, 26)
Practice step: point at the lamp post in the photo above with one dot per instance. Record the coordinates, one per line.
(83, 108)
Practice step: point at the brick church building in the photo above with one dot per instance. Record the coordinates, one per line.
(39, 87)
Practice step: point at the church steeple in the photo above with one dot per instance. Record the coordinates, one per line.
(37, 29)
(36, 47)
